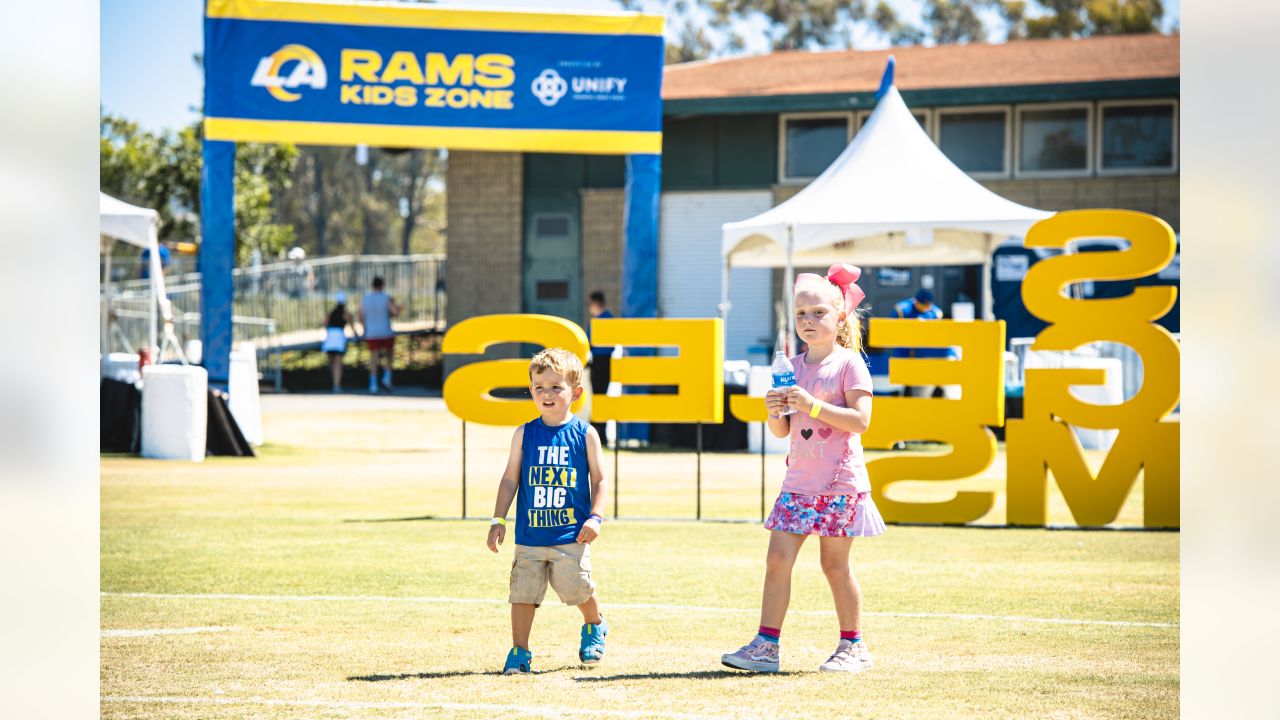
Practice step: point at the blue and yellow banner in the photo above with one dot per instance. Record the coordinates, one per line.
(400, 75)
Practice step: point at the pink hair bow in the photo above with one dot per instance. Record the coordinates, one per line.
(844, 277)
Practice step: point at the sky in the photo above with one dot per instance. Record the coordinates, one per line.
(148, 75)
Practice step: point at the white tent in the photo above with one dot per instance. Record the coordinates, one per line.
(118, 220)
(891, 198)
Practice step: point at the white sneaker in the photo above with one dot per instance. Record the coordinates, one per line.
(849, 657)
(759, 655)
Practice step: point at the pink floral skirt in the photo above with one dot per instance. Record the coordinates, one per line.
(826, 515)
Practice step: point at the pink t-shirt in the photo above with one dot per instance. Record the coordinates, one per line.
(824, 460)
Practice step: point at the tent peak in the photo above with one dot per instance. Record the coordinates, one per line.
(886, 80)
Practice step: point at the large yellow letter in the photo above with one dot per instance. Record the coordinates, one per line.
(697, 373)
(443, 71)
(962, 423)
(1042, 442)
(467, 391)
(361, 64)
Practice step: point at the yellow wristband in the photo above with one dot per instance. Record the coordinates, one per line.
(498, 521)
(816, 409)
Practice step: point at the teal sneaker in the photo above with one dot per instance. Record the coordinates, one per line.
(592, 647)
(519, 662)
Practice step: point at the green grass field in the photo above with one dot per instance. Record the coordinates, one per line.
(303, 583)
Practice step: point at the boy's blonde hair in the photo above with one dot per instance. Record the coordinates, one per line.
(559, 360)
(849, 330)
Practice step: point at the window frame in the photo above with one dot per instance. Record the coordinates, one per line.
(1089, 149)
(783, 178)
(926, 112)
(1103, 105)
(1008, 136)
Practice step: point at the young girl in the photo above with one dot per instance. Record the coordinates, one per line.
(335, 338)
(826, 491)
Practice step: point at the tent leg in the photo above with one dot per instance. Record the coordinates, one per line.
(987, 309)
(106, 301)
(788, 282)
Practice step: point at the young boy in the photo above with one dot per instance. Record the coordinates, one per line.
(557, 513)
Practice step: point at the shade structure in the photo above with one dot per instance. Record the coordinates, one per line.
(118, 220)
(891, 198)
(890, 195)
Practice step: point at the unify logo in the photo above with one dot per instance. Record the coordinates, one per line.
(307, 69)
(549, 87)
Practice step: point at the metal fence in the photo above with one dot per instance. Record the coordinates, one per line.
(299, 295)
(285, 304)
(129, 268)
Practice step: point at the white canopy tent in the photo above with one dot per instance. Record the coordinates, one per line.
(118, 220)
(891, 198)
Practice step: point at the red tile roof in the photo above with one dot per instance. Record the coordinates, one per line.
(1023, 62)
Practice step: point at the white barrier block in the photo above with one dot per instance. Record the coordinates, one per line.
(175, 412)
(242, 386)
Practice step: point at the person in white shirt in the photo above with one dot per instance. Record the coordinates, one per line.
(376, 311)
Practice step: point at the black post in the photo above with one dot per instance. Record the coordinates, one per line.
(699, 471)
(616, 438)
(464, 469)
(762, 471)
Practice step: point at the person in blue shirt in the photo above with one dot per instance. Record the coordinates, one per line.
(601, 356)
(146, 260)
(922, 307)
(558, 513)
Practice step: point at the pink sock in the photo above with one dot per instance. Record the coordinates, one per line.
(854, 635)
(770, 633)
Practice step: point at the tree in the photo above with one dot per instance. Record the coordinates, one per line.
(795, 24)
(1081, 18)
(955, 21)
(162, 171)
(890, 25)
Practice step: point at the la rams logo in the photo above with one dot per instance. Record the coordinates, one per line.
(306, 69)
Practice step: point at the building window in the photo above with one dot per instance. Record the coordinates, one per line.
(811, 142)
(975, 139)
(921, 116)
(1054, 140)
(1137, 136)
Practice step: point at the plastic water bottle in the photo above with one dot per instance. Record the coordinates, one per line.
(784, 376)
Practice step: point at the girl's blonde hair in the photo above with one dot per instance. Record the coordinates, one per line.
(848, 330)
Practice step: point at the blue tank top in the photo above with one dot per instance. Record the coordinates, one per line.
(554, 494)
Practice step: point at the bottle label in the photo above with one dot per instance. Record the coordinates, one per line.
(786, 379)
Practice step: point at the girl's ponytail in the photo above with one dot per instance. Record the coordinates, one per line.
(849, 332)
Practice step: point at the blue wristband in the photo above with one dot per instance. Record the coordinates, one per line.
(598, 517)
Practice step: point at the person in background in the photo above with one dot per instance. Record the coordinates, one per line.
(302, 279)
(376, 311)
(146, 260)
(922, 307)
(335, 338)
(601, 358)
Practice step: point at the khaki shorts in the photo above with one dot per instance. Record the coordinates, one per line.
(567, 567)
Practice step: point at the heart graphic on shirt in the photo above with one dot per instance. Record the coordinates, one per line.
(824, 433)
(806, 433)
